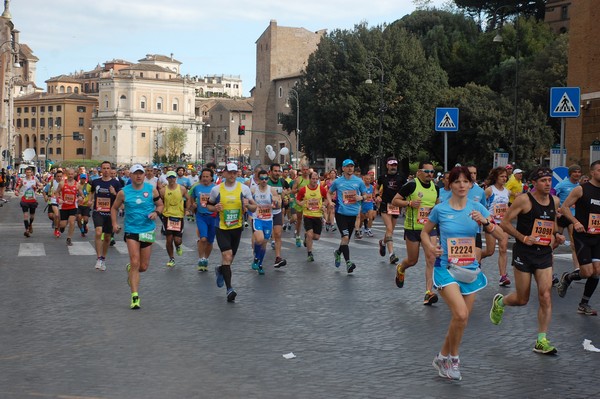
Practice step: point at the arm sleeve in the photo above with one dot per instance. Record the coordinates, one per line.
(300, 194)
(214, 195)
(324, 191)
(246, 193)
(407, 189)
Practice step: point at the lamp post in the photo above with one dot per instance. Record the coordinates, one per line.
(498, 39)
(293, 94)
(13, 48)
(382, 109)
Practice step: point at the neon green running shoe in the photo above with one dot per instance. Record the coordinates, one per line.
(544, 347)
(135, 301)
(179, 250)
(496, 311)
(171, 262)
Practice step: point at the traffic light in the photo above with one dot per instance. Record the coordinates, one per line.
(241, 130)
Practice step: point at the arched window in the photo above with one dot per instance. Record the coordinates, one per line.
(61, 89)
(143, 102)
(175, 105)
(280, 92)
(76, 90)
(69, 89)
(123, 102)
(159, 104)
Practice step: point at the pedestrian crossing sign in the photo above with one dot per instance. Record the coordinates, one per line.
(446, 119)
(564, 102)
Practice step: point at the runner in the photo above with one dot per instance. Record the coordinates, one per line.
(283, 189)
(30, 185)
(300, 182)
(514, 185)
(350, 190)
(205, 219)
(266, 198)
(420, 196)
(230, 199)
(497, 199)
(330, 211)
(532, 253)
(367, 210)
(312, 198)
(586, 236)
(174, 197)
(103, 193)
(67, 193)
(84, 190)
(142, 207)
(457, 274)
(50, 198)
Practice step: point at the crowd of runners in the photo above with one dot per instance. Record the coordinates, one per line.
(457, 221)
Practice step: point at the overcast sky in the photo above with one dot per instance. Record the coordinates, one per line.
(207, 36)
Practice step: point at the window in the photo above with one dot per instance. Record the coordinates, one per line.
(69, 89)
(42, 151)
(106, 101)
(58, 121)
(228, 85)
(18, 110)
(50, 136)
(143, 135)
(50, 151)
(50, 122)
(33, 122)
(19, 123)
(26, 109)
(159, 103)
(59, 137)
(33, 109)
(80, 108)
(280, 92)
(243, 117)
(564, 12)
(175, 104)
(104, 136)
(80, 121)
(50, 108)
(280, 118)
(42, 109)
(58, 151)
(76, 90)
(26, 122)
(42, 122)
(143, 103)
(58, 108)
(42, 137)
(80, 151)
(236, 86)
(141, 74)
(61, 89)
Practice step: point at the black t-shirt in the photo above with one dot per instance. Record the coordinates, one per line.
(389, 186)
(101, 189)
(587, 204)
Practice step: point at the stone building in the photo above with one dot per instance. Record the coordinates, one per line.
(557, 15)
(281, 57)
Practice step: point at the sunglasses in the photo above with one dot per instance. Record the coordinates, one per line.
(263, 178)
(427, 170)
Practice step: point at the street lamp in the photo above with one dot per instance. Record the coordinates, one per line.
(14, 49)
(498, 39)
(382, 109)
(293, 94)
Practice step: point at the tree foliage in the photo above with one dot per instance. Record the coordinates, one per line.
(174, 143)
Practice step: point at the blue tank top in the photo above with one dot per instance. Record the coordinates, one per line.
(201, 194)
(138, 205)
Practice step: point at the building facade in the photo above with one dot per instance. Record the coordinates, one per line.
(138, 105)
(557, 15)
(281, 57)
(218, 86)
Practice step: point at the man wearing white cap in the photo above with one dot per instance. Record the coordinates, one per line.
(230, 199)
(515, 185)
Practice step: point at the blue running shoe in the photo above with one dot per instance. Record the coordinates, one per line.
(220, 278)
(338, 258)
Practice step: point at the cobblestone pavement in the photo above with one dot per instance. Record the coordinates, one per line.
(67, 330)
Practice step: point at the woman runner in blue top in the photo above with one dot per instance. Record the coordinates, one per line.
(456, 273)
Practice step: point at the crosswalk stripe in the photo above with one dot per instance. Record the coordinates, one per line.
(31, 249)
(121, 247)
(82, 248)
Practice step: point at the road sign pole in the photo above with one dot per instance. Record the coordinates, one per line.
(563, 158)
(446, 151)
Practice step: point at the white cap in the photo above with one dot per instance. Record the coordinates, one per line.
(517, 171)
(231, 167)
(136, 167)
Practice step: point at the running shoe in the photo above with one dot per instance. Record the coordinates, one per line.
(26, 233)
(310, 257)
(231, 294)
(454, 369)
(261, 271)
(179, 250)
(430, 298)
(171, 262)
(393, 259)
(103, 265)
(69, 242)
(350, 266)
(135, 301)
(381, 248)
(273, 245)
(203, 265)
(255, 264)
(555, 280)
(112, 242)
(543, 346)
(128, 268)
(245, 225)
(220, 278)
(333, 228)
(563, 285)
(98, 264)
(338, 258)
(56, 233)
(279, 262)
(357, 235)
(504, 281)
(586, 309)
(327, 227)
(399, 277)
(369, 233)
(441, 365)
(30, 229)
(496, 311)
(298, 241)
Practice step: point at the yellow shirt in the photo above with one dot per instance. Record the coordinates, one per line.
(514, 186)
(173, 203)
(231, 216)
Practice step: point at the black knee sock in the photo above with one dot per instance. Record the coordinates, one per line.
(26, 223)
(226, 272)
(344, 249)
(30, 221)
(590, 287)
(366, 223)
(573, 276)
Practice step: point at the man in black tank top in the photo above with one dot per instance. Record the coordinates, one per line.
(388, 186)
(532, 253)
(586, 237)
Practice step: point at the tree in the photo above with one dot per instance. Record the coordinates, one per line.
(174, 143)
(498, 10)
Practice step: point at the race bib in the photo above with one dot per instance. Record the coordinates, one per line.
(349, 197)
(102, 204)
(461, 251)
(231, 217)
(393, 210)
(263, 212)
(174, 224)
(29, 194)
(312, 204)
(542, 231)
(594, 224)
(147, 237)
(500, 211)
(204, 200)
(423, 215)
(69, 198)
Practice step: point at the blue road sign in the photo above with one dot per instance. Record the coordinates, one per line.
(559, 174)
(446, 119)
(564, 102)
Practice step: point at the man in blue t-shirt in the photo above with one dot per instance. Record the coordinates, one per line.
(563, 189)
(350, 190)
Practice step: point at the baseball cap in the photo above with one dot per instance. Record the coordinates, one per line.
(509, 166)
(392, 161)
(83, 176)
(517, 171)
(348, 162)
(231, 167)
(136, 168)
(171, 174)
